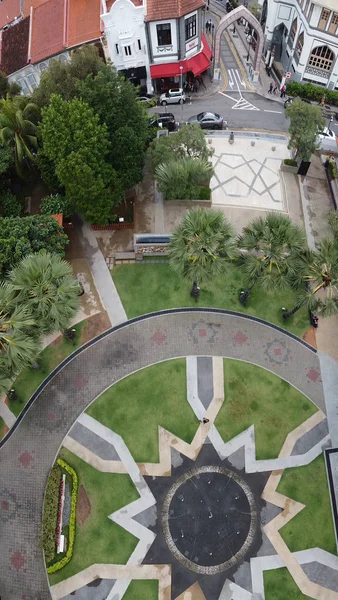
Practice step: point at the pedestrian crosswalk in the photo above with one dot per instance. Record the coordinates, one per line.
(241, 103)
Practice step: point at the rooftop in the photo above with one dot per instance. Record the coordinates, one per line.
(14, 47)
(48, 30)
(9, 9)
(171, 9)
(83, 21)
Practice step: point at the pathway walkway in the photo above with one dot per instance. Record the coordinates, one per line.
(26, 457)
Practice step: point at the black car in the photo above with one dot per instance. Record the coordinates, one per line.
(166, 120)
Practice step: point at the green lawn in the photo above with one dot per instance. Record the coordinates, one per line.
(253, 395)
(142, 590)
(29, 380)
(313, 526)
(99, 540)
(135, 407)
(150, 287)
(279, 585)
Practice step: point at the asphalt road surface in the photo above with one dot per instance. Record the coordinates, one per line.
(241, 110)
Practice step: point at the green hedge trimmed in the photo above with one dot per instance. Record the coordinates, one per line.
(312, 92)
(72, 520)
(50, 513)
(290, 162)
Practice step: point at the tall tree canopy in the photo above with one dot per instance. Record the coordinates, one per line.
(114, 100)
(306, 122)
(79, 147)
(62, 77)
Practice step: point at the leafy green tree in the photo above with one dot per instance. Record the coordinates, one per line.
(272, 246)
(182, 180)
(47, 171)
(18, 130)
(19, 346)
(317, 276)
(202, 246)
(189, 141)
(62, 77)
(6, 88)
(22, 236)
(256, 10)
(78, 145)
(55, 204)
(6, 159)
(114, 100)
(10, 204)
(44, 284)
(306, 122)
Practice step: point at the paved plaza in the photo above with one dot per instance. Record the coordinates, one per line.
(26, 457)
(247, 173)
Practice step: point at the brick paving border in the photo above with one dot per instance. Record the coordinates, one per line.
(29, 450)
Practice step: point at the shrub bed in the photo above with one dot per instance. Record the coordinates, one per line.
(50, 513)
(312, 92)
(289, 162)
(71, 528)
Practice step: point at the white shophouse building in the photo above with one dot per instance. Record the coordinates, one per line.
(302, 36)
(125, 40)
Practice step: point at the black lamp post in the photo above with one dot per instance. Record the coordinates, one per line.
(212, 32)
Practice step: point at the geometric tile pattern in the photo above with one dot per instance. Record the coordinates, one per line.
(103, 362)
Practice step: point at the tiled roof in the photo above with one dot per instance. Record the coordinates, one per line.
(9, 9)
(171, 9)
(47, 30)
(14, 47)
(28, 4)
(83, 21)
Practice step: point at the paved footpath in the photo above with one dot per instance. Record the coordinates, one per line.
(27, 456)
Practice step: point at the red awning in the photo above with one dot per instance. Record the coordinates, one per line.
(197, 64)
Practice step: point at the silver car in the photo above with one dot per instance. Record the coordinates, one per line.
(174, 96)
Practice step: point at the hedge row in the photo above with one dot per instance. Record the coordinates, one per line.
(72, 520)
(50, 513)
(312, 92)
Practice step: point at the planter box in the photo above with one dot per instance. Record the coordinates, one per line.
(288, 168)
(113, 226)
(188, 203)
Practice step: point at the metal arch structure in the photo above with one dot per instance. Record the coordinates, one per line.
(230, 19)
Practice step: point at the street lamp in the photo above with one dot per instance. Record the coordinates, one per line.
(181, 76)
(212, 32)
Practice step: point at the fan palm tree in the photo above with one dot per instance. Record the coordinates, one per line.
(272, 244)
(44, 283)
(317, 273)
(202, 245)
(181, 179)
(18, 129)
(19, 345)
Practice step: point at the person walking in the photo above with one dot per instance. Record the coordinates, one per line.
(283, 91)
(270, 88)
(275, 87)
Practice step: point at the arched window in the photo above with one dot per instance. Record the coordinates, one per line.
(43, 67)
(299, 45)
(322, 58)
(293, 31)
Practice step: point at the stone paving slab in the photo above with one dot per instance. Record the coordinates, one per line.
(94, 443)
(28, 454)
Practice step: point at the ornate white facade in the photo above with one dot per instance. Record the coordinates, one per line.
(302, 35)
(125, 41)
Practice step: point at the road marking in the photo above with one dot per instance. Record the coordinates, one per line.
(277, 112)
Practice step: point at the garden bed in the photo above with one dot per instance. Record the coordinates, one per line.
(125, 211)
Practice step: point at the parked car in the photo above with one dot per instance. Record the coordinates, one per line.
(165, 120)
(174, 96)
(208, 120)
(290, 100)
(328, 140)
(149, 102)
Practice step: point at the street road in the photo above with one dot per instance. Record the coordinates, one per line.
(241, 109)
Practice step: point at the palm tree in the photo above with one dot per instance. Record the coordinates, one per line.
(181, 179)
(317, 273)
(19, 345)
(202, 246)
(18, 129)
(44, 283)
(271, 246)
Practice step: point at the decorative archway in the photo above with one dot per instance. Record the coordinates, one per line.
(239, 13)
